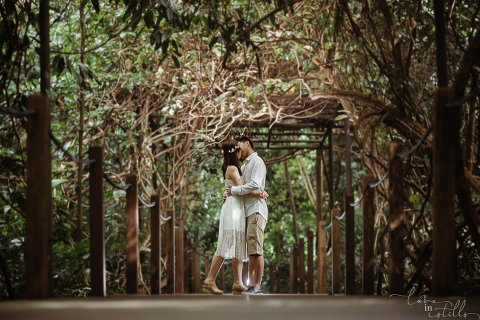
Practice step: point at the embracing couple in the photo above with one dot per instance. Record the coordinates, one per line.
(243, 217)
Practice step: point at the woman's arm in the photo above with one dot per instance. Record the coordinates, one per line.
(235, 176)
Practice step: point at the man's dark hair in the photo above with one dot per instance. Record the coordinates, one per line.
(245, 138)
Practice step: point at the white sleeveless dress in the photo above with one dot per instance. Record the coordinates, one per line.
(231, 232)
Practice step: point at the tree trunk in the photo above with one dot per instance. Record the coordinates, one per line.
(292, 203)
(80, 133)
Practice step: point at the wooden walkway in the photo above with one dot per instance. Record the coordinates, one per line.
(202, 306)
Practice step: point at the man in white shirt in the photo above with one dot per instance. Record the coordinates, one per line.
(256, 212)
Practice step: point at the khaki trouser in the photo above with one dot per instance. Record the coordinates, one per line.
(255, 233)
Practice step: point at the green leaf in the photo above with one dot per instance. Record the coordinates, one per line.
(56, 182)
(118, 193)
(205, 24)
(175, 60)
(166, 35)
(223, 96)
(255, 92)
(340, 117)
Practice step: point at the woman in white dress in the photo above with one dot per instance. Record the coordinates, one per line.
(231, 236)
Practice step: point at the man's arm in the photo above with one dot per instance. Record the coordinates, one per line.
(258, 174)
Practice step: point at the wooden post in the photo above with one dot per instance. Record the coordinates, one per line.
(295, 268)
(38, 244)
(190, 266)
(368, 257)
(141, 228)
(207, 263)
(444, 240)
(349, 245)
(155, 246)
(97, 233)
(170, 251)
(222, 277)
(330, 167)
(319, 187)
(349, 217)
(186, 263)
(336, 253)
(198, 267)
(396, 246)
(131, 272)
(272, 278)
(322, 258)
(290, 278)
(301, 269)
(279, 278)
(348, 163)
(179, 253)
(194, 268)
(310, 262)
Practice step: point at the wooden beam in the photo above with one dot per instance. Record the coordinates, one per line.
(444, 240)
(319, 186)
(284, 140)
(299, 147)
(288, 133)
(295, 268)
(284, 126)
(97, 233)
(278, 269)
(191, 266)
(348, 161)
(350, 286)
(186, 263)
(198, 267)
(322, 258)
(310, 272)
(336, 253)
(290, 278)
(272, 277)
(179, 254)
(170, 251)
(368, 256)
(330, 168)
(131, 272)
(155, 245)
(301, 266)
(207, 263)
(39, 222)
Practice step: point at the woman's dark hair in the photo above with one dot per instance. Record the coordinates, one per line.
(230, 158)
